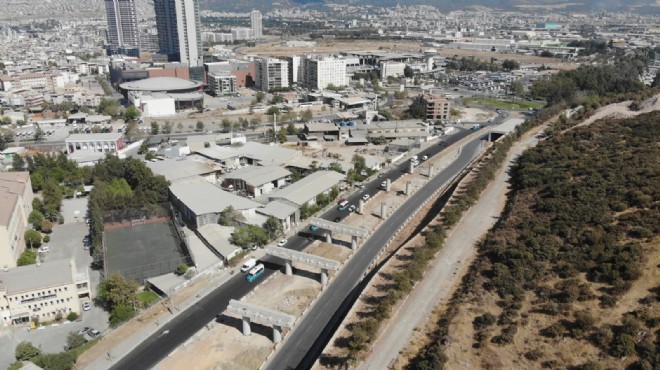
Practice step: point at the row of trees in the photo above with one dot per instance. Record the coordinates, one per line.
(599, 80)
(471, 64)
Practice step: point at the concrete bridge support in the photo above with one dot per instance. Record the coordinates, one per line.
(324, 277)
(408, 188)
(246, 326)
(360, 209)
(383, 210)
(287, 268)
(388, 184)
(328, 236)
(354, 242)
(277, 334)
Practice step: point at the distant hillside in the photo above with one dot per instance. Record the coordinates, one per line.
(645, 6)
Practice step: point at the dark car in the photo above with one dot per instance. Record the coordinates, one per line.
(337, 219)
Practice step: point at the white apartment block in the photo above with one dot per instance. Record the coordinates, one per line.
(271, 73)
(220, 84)
(241, 33)
(319, 73)
(179, 32)
(15, 206)
(391, 69)
(256, 24)
(35, 81)
(43, 291)
(122, 24)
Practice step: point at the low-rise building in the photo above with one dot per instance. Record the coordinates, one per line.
(200, 202)
(305, 190)
(15, 206)
(43, 291)
(437, 107)
(257, 180)
(398, 129)
(86, 149)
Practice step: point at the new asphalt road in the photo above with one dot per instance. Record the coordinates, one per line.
(187, 323)
(310, 335)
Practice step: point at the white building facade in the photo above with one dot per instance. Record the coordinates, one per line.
(179, 32)
(320, 73)
(122, 24)
(271, 73)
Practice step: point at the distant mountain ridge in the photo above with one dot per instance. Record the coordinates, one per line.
(642, 6)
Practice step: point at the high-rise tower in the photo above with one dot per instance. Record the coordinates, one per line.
(179, 35)
(122, 24)
(255, 23)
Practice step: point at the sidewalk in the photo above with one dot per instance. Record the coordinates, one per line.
(121, 341)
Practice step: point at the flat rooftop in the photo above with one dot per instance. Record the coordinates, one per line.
(31, 277)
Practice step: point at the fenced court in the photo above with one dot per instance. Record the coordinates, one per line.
(143, 248)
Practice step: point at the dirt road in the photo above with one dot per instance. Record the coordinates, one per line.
(451, 264)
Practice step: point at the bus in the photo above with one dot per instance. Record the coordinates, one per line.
(256, 271)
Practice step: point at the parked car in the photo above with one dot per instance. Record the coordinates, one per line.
(425, 157)
(352, 208)
(86, 306)
(87, 240)
(94, 333)
(337, 219)
(366, 197)
(248, 265)
(281, 242)
(84, 330)
(44, 249)
(313, 227)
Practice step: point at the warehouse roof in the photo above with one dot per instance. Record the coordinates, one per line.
(203, 197)
(259, 175)
(109, 136)
(308, 188)
(262, 153)
(180, 168)
(280, 209)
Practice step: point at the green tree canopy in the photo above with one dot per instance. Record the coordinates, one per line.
(131, 113)
(117, 290)
(32, 238)
(248, 235)
(25, 351)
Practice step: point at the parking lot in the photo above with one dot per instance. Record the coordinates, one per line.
(66, 242)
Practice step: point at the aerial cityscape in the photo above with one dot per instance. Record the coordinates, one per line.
(410, 185)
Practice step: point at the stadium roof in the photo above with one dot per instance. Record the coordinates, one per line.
(161, 84)
(308, 188)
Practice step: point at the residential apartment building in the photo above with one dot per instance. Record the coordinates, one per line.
(242, 70)
(295, 69)
(35, 81)
(179, 35)
(43, 291)
(271, 73)
(220, 84)
(122, 24)
(241, 33)
(437, 107)
(319, 73)
(256, 24)
(15, 207)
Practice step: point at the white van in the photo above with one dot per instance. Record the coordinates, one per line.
(413, 158)
(248, 265)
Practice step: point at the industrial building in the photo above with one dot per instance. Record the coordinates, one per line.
(305, 190)
(257, 180)
(200, 202)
